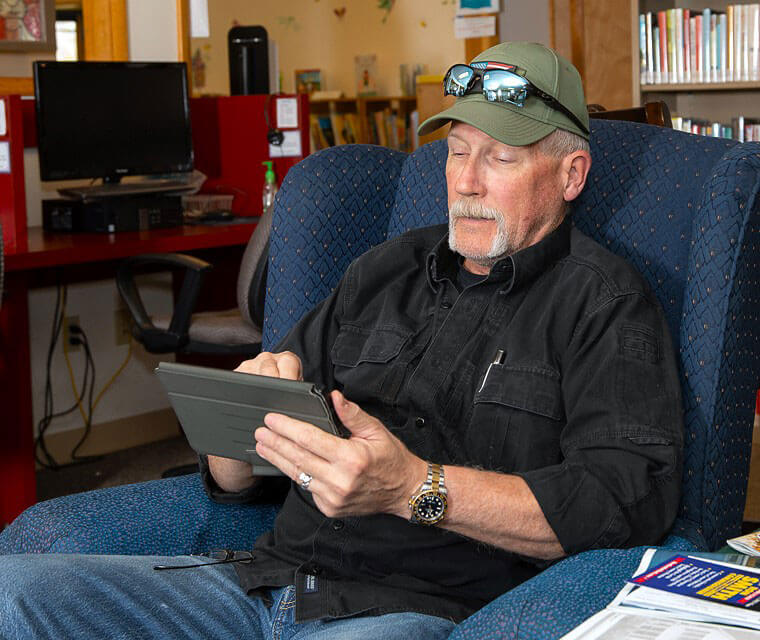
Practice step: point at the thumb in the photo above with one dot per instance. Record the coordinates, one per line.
(353, 417)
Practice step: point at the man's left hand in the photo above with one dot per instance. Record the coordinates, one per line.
(370, 472)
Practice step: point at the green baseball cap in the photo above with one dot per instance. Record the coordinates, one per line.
(520, 126)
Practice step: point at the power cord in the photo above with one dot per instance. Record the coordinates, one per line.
(47, 460)
(76, 337)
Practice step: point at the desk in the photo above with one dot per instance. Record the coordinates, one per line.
(34, 261)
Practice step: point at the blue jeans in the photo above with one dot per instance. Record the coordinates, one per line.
(80, 596)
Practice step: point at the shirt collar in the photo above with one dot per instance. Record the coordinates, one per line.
(514, 270)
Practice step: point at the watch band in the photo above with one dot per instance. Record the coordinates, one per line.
(434, 484)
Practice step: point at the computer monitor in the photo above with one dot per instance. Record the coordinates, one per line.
(112, 119)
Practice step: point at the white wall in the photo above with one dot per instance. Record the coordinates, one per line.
(152, 36)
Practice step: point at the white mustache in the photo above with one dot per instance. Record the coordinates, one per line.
(468, 209)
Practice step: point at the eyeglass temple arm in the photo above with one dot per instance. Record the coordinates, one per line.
(553, 102)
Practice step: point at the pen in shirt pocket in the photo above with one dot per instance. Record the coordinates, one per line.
(497, 359)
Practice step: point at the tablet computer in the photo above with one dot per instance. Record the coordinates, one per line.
(219, 410)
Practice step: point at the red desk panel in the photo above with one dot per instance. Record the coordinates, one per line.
(59, 253)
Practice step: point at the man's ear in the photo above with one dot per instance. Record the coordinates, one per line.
(575, 166)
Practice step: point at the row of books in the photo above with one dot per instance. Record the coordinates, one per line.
(689, 46)
(384, 127)
(741, 128)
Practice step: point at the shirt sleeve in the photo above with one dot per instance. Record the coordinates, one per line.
(309, 339)
(618, 484)
(271, 489)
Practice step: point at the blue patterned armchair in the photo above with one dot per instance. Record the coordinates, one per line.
(683, 209)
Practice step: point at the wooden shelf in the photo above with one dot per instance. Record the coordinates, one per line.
(752, 85)
(362, 109)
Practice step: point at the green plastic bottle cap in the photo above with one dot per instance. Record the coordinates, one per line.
(269, 176)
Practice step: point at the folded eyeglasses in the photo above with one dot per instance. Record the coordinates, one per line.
(499, 82)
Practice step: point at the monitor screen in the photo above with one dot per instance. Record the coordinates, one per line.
(111, 119)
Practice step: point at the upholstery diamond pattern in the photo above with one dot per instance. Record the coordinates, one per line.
(332, 207)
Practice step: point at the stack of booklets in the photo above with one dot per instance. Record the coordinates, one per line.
(700, 45)
(672, 595)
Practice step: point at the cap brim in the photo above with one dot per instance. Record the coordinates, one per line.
(500, 121)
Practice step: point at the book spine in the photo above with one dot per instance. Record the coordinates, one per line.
(693, 43)
(746, 28)
(706, 45)
(722, 48)
(656, 54)
(686, 45)
(642, 49)
(713, 48)
(671, 21)
(730, 42)
(650, 49)
(700, 52)
(755, 43)
(662, 25)
(678, 44)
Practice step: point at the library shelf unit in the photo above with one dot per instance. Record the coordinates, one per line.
(711, 101)
(364, 110)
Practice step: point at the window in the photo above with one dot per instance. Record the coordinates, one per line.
(68, 35)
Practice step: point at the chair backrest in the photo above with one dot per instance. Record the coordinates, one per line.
(657, 113)
(251, 280)
(682, 209)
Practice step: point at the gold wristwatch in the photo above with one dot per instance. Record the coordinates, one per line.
(428, 505)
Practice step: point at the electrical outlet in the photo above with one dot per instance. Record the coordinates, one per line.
(67, 322)
(122, 326)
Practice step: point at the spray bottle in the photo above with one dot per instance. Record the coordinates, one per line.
(270, 187)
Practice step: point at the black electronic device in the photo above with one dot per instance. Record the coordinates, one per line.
(112, 119)
(108, 215)
(248, 51)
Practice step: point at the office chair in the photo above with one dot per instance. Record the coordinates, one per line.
(234, 331)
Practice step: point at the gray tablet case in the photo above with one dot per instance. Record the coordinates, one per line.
(219, 410)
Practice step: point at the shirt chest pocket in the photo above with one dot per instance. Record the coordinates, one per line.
(517, 418)
(365, 360)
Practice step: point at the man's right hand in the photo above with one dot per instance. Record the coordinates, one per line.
(235, 475)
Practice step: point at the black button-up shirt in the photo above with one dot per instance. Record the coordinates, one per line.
(585, 406)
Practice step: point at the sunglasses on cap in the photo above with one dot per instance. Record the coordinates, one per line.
(499, 82)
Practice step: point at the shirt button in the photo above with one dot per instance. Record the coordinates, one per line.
(337, 525)
(419, 422)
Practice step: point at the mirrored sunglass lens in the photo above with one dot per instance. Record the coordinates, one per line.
(502, 86)
(458, 80)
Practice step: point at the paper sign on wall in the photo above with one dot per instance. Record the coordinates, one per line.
(287, 113)
(474, 27)
(290, 147)
(3, 126)
(199, 19)
(5, 157)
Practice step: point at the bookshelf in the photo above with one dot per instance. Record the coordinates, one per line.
(383, 120)
(710, 101)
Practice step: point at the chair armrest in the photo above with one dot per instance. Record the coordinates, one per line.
(560, 598)
(154, 339)
(162, 517)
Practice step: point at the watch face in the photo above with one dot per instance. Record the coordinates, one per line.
(430, 507)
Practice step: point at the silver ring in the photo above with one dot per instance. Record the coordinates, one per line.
(305, 480)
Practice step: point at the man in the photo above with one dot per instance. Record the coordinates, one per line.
(509, 387)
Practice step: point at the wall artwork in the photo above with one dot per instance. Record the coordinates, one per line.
(27, 25)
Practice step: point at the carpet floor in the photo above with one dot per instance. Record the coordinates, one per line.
(146, 462)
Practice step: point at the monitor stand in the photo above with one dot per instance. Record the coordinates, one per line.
(119, 189)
